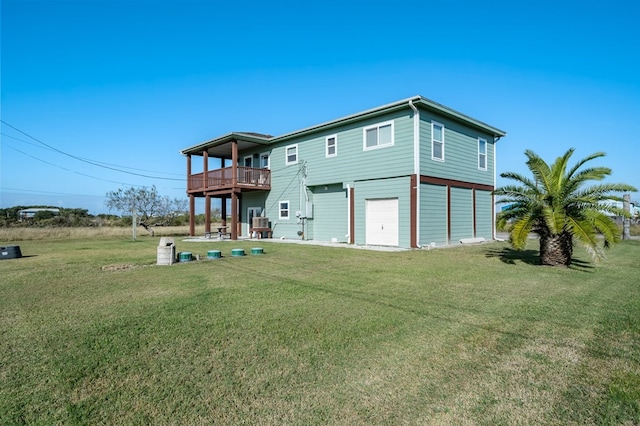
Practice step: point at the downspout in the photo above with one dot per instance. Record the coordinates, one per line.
(416, 165)
(348, 213)
(493, 201)
(304, 198)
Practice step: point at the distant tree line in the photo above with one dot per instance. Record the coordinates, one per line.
(78, 217)
(149, 207)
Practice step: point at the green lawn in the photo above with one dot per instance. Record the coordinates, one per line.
(93, 332)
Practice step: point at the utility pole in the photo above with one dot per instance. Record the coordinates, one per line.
(626, 221)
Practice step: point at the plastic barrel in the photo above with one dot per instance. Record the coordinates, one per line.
(214, 254)
(257, 250)
(184, 256)
(237, 252)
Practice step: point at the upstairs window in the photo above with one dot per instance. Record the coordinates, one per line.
(264, 160)
(437, 141)
(378, 135)
(331, 143)
(291, 154)
(482, 154)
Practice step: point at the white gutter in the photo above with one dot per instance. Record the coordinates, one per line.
(348, 234)
(416, 165)
(495, 168)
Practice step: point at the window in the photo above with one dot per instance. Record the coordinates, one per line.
(247, 161)
(482, 154)
(378, 136)
(264, 160)
(283, 210)
(292, 154)
(332, 145)
(437, 141)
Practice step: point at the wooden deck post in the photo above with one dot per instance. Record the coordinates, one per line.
(207, 214)
(234, 215)
(234, 193)
(205, 170)
(192, 215)
(188, 172)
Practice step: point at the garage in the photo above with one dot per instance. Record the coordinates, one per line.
(382, 222)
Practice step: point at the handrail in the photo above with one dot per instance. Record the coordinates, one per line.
(223, 179)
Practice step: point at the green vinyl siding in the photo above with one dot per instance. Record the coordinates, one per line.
(433, 214)
(378, 189)
(484, 215)
(353, 162)
(285, 186)
(330, 209)
(460, 152)
(461, 214)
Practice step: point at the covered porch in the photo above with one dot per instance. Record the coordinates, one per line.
(228, 181)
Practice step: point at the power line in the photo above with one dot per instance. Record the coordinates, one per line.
(86, 159)
(20, 190)
(69, 170)
(94, 163)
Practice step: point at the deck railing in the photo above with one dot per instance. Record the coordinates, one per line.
(219, 179)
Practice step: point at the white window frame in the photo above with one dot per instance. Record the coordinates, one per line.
(482, 155)
(250, 158)
(335, 146)
(378, 126)
(286, 154)
(268, 155)
(434, 141)
(280, 210)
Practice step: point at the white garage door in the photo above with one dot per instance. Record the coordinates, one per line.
(382, 222)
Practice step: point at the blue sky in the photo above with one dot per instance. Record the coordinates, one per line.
(116, 88)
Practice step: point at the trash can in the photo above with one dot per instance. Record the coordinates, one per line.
(10, 252)
(166, 251)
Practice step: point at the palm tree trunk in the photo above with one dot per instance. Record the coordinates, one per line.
(556, 250)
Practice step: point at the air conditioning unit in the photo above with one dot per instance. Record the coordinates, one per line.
(260, 222)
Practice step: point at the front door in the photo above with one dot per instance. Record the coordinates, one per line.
(251, 213)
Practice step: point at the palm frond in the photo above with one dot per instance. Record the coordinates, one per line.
(539, 168)
(580, 163)
(605, 226)
(583, 230)
(520, 231)
(557, 173)
(520, 178)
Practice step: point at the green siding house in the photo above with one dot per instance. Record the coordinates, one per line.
(411, 174)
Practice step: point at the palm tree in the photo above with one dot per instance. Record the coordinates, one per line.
(558, 208)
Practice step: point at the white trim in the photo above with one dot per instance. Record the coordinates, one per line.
(335, 145)
(250, 157)
(286, 154)
(378, 126)
(486, 148)
(433, 140)
(280, 209)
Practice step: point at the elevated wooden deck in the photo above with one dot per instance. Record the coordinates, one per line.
(223, 180)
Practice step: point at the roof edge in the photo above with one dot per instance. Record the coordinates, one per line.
(404, 103)
(245, 136)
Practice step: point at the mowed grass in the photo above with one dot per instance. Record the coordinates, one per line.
(93, 332)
